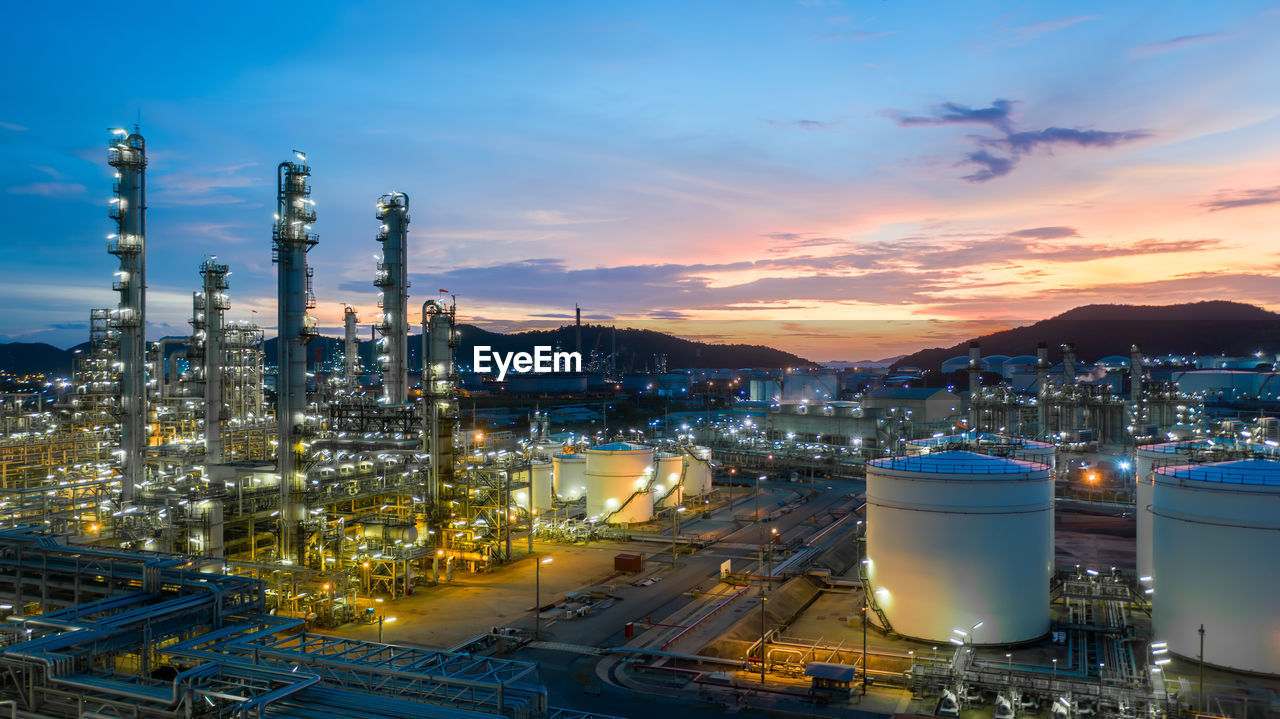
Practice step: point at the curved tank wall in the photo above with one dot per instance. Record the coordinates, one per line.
(667, 491)
(619, 479)
(541, 485)
(1217, 537)
(697, 474)
(957, 538)
(569, 473)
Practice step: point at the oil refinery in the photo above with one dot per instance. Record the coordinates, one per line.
(192, 528)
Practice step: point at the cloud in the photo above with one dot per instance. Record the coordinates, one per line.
(1177, 43)
(13, 127)
(951, 113)
(801, 124)
(1046, 233)
(1022, 142)
(554, 218)
(1243, 198)
(1016, 143)
(48, 189)
(992, 166)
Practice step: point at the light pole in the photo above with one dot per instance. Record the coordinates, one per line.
(1201, 668)
(537, 594)
(1008, 657)
(1055, 674)
(675, 532)
(864, 645)
(763, 599)
(382, 619)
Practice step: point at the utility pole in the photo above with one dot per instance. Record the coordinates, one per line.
(864, 643)
(1201, 668)
(763, 599)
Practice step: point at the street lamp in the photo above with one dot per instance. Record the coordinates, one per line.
(1055, 673)
(675, 532)
(382, 619)
(537, 595)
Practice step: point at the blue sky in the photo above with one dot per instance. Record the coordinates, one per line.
(727, 170)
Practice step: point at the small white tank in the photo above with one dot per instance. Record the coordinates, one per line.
(619, 483)
(1216, 530)
(697, 475)
(667, 491)
(958, 538)
(541, 485)
(569, 473)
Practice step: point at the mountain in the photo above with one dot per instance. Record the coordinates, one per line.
(636, 349)
(34, 358)
(1202, 328)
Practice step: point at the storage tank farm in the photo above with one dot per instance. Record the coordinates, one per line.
(620, 478)
(958, 540)
(1216, 531)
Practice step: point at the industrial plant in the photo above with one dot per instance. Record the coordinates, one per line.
(201, 526)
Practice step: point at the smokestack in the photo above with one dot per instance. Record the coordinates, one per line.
(293, 238)
(127, 153)
(392, 280)
(577, 311)
(1069, 363)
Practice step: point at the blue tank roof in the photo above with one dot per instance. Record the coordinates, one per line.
(618, 447)
(958, 462)
(1254, 472)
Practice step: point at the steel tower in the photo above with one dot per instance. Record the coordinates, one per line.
(293, 238)
(127, 153)
(393, 282)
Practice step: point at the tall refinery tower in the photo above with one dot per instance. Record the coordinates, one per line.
(392, 281)
(293, 238)
(127, 153)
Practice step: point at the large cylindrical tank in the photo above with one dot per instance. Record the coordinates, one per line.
(541, 485)
(667, 491)
(697, 475)
(1217, 537)
(619, 476)
(1149, 457)
(569, 473)
(959, 538)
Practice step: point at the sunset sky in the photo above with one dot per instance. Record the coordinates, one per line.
(845, 180)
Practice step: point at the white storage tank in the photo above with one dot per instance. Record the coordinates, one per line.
(541, 485)
(957, 538)
(619, 482)
(569, 473)
(1217, 539)
(697, 473)
(1149, 457)
(667, 491)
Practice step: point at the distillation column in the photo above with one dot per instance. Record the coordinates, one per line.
(127, 153)
(975, 367)
(350, 346)
(393, 282)
(215, 302)
(292, 237)
(1137, 415)
(437, 394)
(1042, 387)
